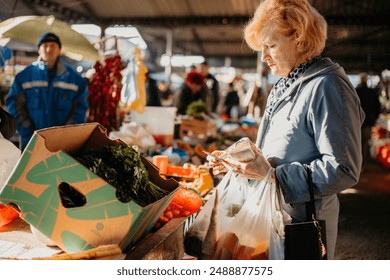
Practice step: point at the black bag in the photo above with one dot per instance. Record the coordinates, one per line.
(306, 240)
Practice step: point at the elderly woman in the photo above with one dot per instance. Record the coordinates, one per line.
(312, 117)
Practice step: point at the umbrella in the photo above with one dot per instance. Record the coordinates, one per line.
(27, 29)
(17, 45)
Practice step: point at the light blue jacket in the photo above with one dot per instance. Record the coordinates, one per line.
(37, 104)
(317, 122)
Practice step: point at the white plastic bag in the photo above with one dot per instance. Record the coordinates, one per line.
(133, 133)
(256, 231)
(219, 210)
(9, 156)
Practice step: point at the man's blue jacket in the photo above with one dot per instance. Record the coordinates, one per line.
(37, 103)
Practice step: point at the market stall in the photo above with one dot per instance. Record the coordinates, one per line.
(65, 195)
(83, 214)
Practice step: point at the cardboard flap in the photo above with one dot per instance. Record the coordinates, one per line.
(75, 136)
(98, 140)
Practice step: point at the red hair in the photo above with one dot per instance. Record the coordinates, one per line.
(290, 18)
(195, 77)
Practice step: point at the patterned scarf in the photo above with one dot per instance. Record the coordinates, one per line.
(285, 82)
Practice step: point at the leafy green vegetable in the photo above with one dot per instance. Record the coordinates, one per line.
(121, 166)
(198, 110)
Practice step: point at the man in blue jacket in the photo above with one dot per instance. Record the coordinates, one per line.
(47, 92)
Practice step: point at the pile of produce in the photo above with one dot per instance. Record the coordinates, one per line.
(185, 203)
(197, 150)
(121, 166)
(378, 132)
(381, 145)
(383, 155)
(7, 214)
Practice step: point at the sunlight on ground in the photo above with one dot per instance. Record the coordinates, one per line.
(350, 191)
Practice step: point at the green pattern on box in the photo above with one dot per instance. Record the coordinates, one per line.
(38, 211)
(101, 204)
(58, 168)
(74, 243)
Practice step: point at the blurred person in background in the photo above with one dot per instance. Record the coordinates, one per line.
(47, 92)
(369, 100)
(166, 94)
(153, 97)
(190, 91)
(232, 102)
(312, 117)
(211, 86)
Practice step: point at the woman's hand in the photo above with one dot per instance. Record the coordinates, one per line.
(217, 165)
(255, 169)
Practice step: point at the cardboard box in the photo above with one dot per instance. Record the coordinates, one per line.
(47, 163)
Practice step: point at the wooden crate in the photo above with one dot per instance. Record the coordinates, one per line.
(197, 129)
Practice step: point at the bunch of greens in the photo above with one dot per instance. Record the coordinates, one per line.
(121, 166)
(197, 109)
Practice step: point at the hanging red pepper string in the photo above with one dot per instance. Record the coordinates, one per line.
(104, 93)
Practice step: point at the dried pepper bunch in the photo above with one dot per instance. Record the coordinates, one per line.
(105, 92)
(121, 166)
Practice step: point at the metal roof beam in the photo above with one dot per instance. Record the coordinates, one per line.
(31, 7)
(67, 13)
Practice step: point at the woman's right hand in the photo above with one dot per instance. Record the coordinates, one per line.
(218, 166)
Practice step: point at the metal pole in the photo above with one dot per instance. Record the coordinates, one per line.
(168, 52)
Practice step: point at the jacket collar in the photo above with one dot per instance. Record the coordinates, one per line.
(325, 65)
(43, 65)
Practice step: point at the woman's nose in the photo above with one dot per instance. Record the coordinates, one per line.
(264, 56)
